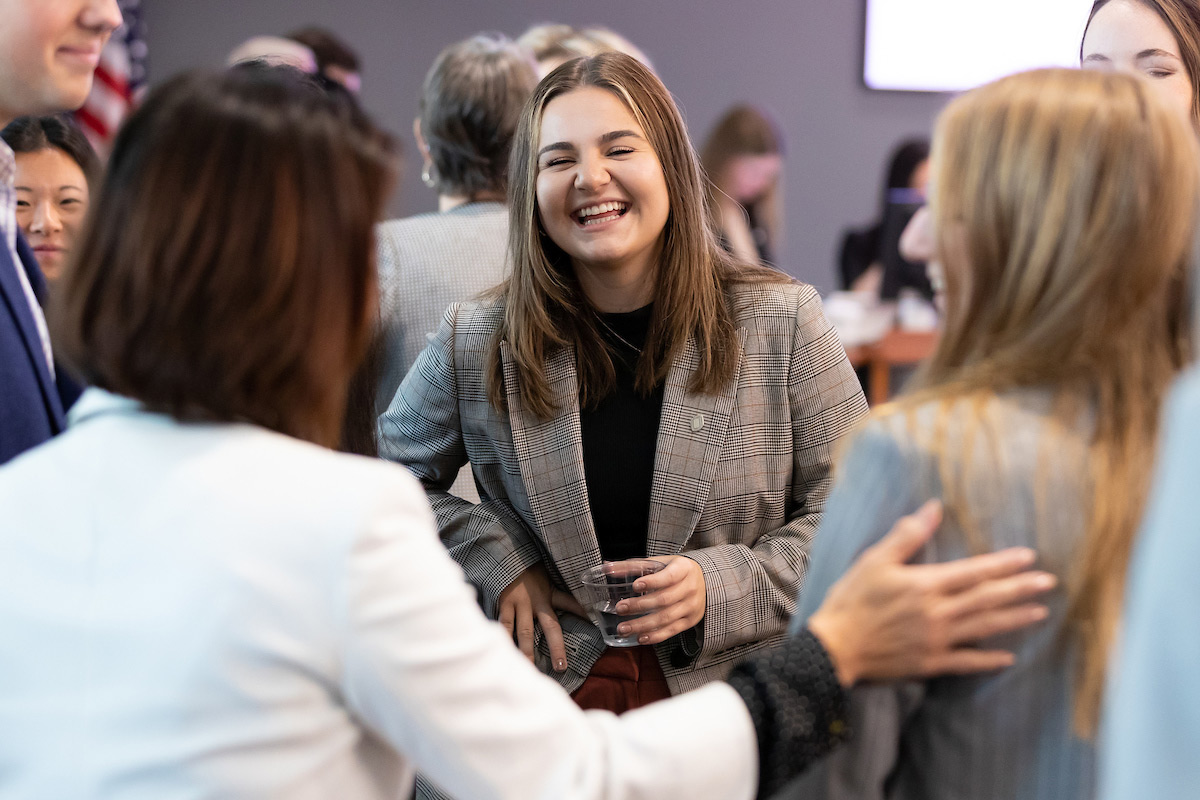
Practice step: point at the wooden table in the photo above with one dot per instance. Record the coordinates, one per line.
(897, 349)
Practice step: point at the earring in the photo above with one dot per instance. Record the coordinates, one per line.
(427, 178)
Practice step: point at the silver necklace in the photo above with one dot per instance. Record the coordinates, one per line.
(619, 337)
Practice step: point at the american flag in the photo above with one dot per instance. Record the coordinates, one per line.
(119, 81)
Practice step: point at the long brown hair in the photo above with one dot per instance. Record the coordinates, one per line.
(1064, 203)
(229, 272)
(544, 306)
(1183, 19)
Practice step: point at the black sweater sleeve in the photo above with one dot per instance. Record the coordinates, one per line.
(797, 704)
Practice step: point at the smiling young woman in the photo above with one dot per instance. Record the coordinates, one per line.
(632, 390)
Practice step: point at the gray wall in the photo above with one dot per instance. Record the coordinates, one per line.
(799, 58)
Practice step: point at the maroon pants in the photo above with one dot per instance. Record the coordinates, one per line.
(623, 679)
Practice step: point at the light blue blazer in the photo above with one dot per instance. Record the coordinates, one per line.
(1000, 736)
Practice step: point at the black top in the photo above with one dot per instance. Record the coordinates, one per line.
(619, 438)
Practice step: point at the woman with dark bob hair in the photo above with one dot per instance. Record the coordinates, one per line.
(56, 170)
(223, 607)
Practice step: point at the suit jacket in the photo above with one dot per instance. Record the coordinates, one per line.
(1005, 735)
(216, 610)
(426, 263)
(31, 408)
(740, 476)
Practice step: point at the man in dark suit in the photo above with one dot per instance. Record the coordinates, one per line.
(48, 52)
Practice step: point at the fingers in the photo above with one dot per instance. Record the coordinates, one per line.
(524, 627)
(662, 634)
(554, 638)
(508, 610)
(968, 660)
(998, 593)
(565, 601)
(652, 602)
(955, 576)
(909, 534)
(1005, 620)
(650, 622)
(675, 571)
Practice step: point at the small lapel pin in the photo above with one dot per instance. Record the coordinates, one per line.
(697, 422)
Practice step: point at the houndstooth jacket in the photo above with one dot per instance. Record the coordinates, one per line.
(740, 477)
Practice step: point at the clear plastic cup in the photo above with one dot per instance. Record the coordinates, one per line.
(610, 583)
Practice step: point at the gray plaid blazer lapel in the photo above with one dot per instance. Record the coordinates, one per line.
(691, 433)
(550, 454)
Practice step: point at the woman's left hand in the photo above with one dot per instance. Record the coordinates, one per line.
(674, 601)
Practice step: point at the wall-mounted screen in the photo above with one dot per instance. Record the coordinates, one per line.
(953, 45)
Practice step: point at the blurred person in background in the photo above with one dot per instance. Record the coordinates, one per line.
(870, 259)
(48, 54)
(551, 45)
(470, 103)
(56, 169)
(1036, 423)
(336, 60)
(743, 157)
(274, 51)
(227, 608)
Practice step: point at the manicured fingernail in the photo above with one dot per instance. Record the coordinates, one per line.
(639, 587)
(622, 607)
(1046, 581)
(622, 629)
(560, 665)
(643, 639)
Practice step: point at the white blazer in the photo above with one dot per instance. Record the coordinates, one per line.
(218, 611)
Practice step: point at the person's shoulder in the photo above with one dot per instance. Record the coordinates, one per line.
(405, 229)
(780, 296)
(478, 317)
(906, 419)
(312, 491)
(459, 226)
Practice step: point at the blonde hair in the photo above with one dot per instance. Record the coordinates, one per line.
(562, 43)
(544, 307)
(1064, 205)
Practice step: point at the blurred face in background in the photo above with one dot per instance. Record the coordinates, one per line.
(918, 244)
(919, 182)
(52, 200)
(48, 52)
(748, 177)
(1127, 36)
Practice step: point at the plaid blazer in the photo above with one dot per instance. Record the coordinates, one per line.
(740, 477)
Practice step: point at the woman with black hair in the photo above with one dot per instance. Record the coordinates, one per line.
(56, 167)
